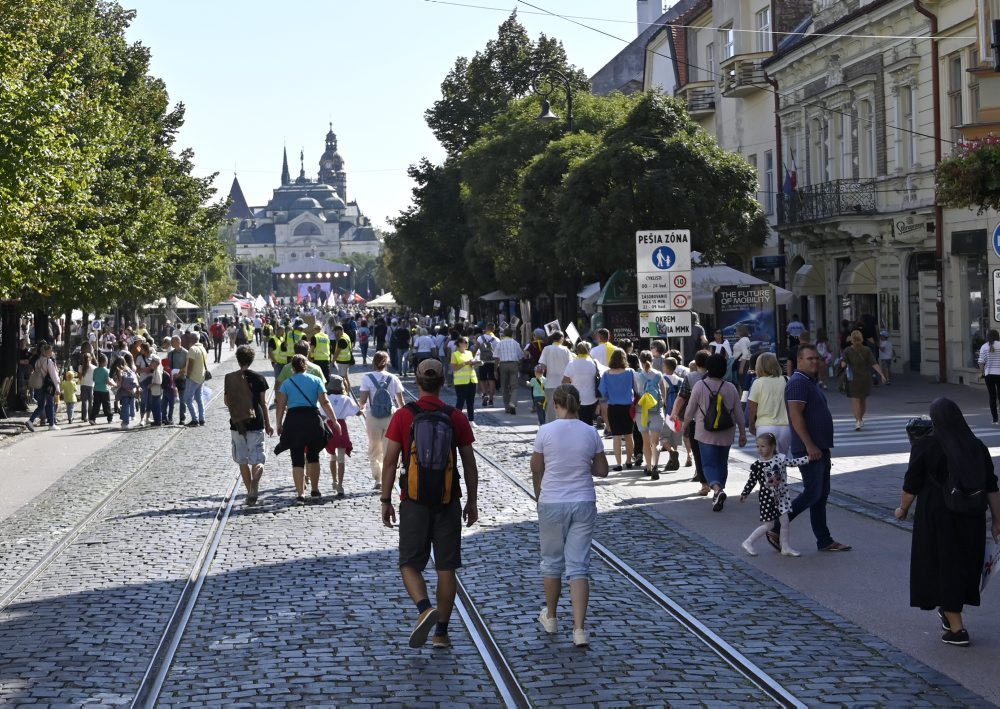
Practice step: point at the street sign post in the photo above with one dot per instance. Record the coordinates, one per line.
(663, 279)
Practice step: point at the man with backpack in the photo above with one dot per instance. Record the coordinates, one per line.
(218, 332)
(431, 436)
(485, 352)
(245, 395)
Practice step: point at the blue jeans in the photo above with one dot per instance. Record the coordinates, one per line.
(539, 408)
(815, 490)
(144, 397)
(192, 394)
(155, 408)
(46, 407)
(128, 409)
(715, 463)
(167, 404)
(565, 530)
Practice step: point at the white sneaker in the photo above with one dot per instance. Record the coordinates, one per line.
(748, 547)
(30, 425)
(53, 427)
(581, 638)
(551, 625)
(790, 552)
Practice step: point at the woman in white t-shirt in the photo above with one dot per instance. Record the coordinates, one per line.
(741, 358)
(376, 426)
(568, 455)
(583, 373)
(767, 412)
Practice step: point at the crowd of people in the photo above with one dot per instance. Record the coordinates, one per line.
(650, 403)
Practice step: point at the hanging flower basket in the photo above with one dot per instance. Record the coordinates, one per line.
(971, 176)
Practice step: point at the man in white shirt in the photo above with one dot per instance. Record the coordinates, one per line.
(554, 358)
(509, 355)
(603, 349)
(582, 372)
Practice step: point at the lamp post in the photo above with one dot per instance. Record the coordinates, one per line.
(544, 84)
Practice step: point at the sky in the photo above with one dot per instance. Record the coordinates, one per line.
(256, 76)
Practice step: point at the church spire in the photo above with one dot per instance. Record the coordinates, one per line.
(286, 177)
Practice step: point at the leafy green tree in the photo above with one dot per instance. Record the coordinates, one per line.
(476, 90)
(659, 170)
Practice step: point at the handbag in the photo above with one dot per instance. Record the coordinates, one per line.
(327, 433)
(208, 374)
(37, 378)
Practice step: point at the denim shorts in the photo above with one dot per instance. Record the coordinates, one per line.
(565, 530)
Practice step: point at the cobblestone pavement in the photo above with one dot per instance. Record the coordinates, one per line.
(304, 605)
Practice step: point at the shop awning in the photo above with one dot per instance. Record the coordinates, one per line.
(808, 280)
(590, 291)
(858, 278)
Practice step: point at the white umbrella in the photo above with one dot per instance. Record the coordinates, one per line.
(705, 279)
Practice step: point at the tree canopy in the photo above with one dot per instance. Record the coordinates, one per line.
(97, 206)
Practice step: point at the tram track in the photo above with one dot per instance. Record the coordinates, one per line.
(508, 683)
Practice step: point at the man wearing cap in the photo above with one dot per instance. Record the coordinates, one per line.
(423, 526)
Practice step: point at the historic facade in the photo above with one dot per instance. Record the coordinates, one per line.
(307, 218)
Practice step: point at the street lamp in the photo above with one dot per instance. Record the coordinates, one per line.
(544, 84)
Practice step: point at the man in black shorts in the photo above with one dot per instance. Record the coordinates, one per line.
(423, 525)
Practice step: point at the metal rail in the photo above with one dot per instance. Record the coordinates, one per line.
(729, 654)
(163, 657)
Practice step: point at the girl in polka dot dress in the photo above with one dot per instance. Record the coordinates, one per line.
(769, 471)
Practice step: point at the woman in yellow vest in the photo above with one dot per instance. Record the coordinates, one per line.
(463, 367)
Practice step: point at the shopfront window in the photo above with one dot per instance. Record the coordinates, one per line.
(976, 321)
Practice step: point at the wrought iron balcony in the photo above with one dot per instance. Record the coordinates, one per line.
(836, 198)
(742, 74)
(699, 96)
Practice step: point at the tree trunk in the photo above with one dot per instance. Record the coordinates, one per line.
(42, 327)
(9, 344)
(67, 336)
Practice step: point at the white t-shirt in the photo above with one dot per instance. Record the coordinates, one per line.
(555, 358)
(583, 370)
(568, 446)
(601, 352)
(343, 406)
(394, 388)
(425, 343)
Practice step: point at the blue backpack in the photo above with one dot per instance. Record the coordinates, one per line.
(381, 404)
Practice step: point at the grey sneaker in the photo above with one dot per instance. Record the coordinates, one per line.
(30, 426)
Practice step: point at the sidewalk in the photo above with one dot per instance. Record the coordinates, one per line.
(31, 462)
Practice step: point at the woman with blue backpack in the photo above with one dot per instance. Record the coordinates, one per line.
(382, 392)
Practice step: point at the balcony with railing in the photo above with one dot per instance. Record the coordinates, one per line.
(837, 198)
(742, 74)
(699, 96)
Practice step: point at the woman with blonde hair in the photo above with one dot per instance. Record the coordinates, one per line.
(856, 362)
(568, 455)
(766, 411)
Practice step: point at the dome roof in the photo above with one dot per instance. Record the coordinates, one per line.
(334, 202)
(305, 203)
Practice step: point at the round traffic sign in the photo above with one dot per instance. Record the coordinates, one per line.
(680, 281)
(681, 301)
(664, 258)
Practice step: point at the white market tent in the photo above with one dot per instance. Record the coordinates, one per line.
(383, 301)
(705, 279)
(497, 295)
(181, 304)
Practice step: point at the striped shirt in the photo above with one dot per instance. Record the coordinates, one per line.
(508, 350)
(990, 361)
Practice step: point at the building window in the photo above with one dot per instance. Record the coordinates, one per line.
(973, 86)
(291, 255)
(955, 96)
(710, 70)
(907, 128)
(768, 182)
(819, 151)
(866, 139)
(727, 37)
(845, 170)
(763, 26)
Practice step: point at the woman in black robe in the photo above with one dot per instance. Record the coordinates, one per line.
(946, 557)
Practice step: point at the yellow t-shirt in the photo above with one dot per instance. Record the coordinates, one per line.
(769, 395)
(465, 375)
(69, 389)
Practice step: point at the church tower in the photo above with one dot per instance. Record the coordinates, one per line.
(331, 166)
(286, 176)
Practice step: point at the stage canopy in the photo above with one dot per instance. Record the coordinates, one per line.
(312, 268)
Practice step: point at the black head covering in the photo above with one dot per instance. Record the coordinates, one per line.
(962, 449)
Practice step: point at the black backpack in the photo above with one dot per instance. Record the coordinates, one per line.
(717, 416)
(963, 493)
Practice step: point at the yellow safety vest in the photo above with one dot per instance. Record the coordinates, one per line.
(280, 356)
(322, 351)
(463, 375)
(345, 353)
